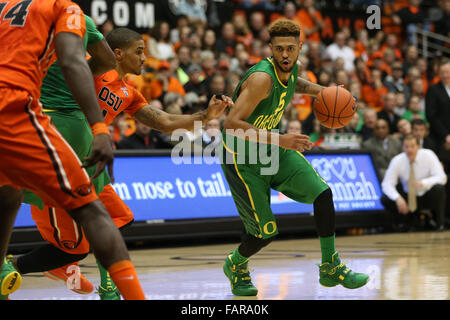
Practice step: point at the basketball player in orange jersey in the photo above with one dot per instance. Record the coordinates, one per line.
(68, 244)
(34, 155)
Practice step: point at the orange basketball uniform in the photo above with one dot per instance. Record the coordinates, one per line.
(54, 224)
(33, 153)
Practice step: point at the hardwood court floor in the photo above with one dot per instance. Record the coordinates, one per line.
(401, 266)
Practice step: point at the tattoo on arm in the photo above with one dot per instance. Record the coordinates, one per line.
(306, 87)
(151, 117)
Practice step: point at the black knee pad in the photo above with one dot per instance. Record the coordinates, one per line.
(251, 245)
(327, 195)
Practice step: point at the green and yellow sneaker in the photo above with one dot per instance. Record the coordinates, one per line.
(108, 291)
(239, 276)
(334, 273)
(10, 279)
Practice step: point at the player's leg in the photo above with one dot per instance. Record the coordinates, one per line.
(10, 200)
(251, 194)
(306, 186)
(56, 176)
(122, 216)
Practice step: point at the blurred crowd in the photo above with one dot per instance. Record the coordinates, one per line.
(399, 90)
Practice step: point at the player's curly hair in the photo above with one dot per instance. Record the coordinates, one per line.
(284, 28)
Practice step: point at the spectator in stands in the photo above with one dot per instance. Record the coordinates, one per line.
(395, 82)
(411, 56)
(422, 185)
(401, 104)
(382, 146)
(223, 68)
(164, 82)
(442, 26)
(211, 135)
(184, 58)
(196, 82)
(373, 92)
(227, 40)
(419, 129)
(159, 44)
(340, 49)
(410, 18)
(403, 129)
(138, 140)
(414, 111)
(369, 120)
(193, 11)
(242, 30)
(311, 21)
(256, 23)
(294, 126)
(392, 43)
(217, 85)
(388, 113)
(290, 13)
(208, 64)
(182, 21)
(209, 41)
(195, 43)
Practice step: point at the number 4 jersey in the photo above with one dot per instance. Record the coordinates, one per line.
(34, 25)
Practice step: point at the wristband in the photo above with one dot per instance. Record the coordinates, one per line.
(99, 128)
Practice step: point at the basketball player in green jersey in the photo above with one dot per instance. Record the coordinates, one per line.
(260, 99)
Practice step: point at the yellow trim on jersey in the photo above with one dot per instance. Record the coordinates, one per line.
(228, 149)
(276, 74)
(48, 110)
(249, 194)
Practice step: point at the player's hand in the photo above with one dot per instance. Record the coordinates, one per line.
(402, 206)
(295, 141)
(217, 106)
(101, 156)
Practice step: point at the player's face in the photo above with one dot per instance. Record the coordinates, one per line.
(133, 58)
(285, 51)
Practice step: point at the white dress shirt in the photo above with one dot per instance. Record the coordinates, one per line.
(347, 53)
(427, 169)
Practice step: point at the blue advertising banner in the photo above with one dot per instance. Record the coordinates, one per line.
(155, 188)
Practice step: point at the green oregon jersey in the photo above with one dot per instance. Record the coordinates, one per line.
(268, 113)
(55, 94)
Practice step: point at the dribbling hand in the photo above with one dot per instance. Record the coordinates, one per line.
(217, 106)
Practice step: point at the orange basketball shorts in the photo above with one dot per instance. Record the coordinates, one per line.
(58, 228)
(33, 155)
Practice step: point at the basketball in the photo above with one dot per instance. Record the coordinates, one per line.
(334, 107)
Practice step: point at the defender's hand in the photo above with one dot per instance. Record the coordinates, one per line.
(217, 106)
(295, 141)
(101, 156)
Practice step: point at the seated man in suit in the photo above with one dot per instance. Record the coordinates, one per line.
(382, 146)
(437, 108)
(419, 129)
(422, 180)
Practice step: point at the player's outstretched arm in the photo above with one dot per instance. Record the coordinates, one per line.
(307, 87)
(254, 90)
(165, 122)
(102, 58)
(78, 76)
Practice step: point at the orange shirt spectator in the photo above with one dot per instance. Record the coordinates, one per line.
(373, 92)
(303, 103)
(164, 82)
(311, 21)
